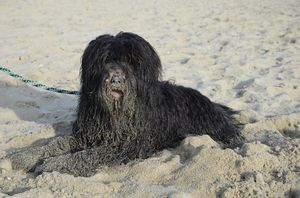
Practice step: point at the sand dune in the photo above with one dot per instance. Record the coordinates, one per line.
(244, 54)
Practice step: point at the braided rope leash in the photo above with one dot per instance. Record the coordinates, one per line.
(36, 84)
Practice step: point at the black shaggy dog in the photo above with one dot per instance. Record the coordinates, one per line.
(126, 112)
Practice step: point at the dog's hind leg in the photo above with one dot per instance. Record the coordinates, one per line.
(28, 157)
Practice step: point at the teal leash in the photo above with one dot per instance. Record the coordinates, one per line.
(36, 84)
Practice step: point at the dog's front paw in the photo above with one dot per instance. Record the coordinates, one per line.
(48, 165)
(59, 164)
(65, 164)
(24, 160)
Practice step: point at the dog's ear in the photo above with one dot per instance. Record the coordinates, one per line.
(93, 60)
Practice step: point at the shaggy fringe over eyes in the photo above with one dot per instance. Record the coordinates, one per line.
(123, 48)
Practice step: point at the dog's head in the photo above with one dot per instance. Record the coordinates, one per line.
(114, 66)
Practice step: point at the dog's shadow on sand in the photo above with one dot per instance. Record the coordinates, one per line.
(34, 105)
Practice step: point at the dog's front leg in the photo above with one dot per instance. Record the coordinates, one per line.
(81, 163)
(28, 157)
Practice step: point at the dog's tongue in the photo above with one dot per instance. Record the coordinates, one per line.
(116, 94)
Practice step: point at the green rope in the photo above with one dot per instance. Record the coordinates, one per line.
(36, 84)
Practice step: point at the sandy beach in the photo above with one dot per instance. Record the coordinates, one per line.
(244, 54)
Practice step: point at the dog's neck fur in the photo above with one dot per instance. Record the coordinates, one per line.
(105, 123)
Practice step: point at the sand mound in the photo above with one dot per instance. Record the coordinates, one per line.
(197, 167)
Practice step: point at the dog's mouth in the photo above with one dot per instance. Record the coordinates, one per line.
(115, 98)
(117, 94)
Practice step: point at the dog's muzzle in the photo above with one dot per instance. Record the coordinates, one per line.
(117, 83)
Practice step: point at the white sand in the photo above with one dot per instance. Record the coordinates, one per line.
(245, 54)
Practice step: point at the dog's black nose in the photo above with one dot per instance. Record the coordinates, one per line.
(116, 80)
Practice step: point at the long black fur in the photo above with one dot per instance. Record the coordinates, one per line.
(149, 116)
